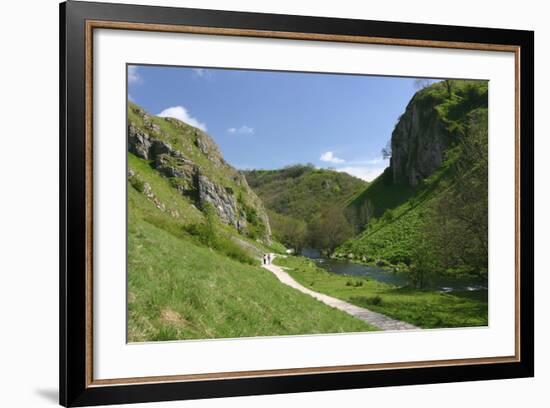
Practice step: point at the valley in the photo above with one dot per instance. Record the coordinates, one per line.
(410, 244)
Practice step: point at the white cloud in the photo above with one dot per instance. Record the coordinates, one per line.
(202, 73)
(330, 158)
(243, 130)
(133, 75)
(179, 112)
(365, 169)
(367, 173)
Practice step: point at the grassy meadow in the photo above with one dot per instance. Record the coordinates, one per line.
(423, 308)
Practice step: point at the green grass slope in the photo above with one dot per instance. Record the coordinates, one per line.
(399, 211)
(181, 288)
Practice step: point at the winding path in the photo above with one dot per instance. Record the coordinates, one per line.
(379, 320)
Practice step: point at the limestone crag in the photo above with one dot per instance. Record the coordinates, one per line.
(222, 200)
(418, 143)
(213, 185)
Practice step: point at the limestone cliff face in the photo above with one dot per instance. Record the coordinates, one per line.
(418, 143)
(436, 117)
(196, 168)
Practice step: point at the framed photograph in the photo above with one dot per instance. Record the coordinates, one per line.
(256, 204)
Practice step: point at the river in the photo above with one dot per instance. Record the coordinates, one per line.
(443, 284)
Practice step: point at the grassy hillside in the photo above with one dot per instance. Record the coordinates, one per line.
(179, 288)
(398, 213)
(191, 276)
(300, 192)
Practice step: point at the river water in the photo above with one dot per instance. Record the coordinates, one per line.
(443, 284)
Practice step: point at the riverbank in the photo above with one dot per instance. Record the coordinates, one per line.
(422, 308)
(375, 320)
(398, 275)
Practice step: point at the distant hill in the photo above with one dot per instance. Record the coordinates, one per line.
(301, 191)
(307, 206)
(433, 196)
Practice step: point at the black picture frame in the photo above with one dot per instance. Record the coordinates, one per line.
(75, 389)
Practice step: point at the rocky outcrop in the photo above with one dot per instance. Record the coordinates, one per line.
(436, 118)
(138, 142)
(242, 209)
(418, 143)
(222, 200)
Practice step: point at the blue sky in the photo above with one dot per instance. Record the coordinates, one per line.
(268, 120)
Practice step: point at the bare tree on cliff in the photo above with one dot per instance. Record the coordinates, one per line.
(449, 85)
(386, 151)
(421, 83)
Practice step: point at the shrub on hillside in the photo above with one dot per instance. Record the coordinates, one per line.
(137, 183)
(208, 234)
(374, 300)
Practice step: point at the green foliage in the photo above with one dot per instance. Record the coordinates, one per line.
(179, 289)
(276, 247)
(423, 267)
(382, 194)
(387, 216)
(209, 234)
(188, 277)
(191, 277)
(329, 229)
(426, 309)
(375, 300)
(302, 191)
(292, 232)
(136, 183)
(256, 227)
(453, 101)
(164, 192)
(456, 234)
(441, 225)
(299, 199)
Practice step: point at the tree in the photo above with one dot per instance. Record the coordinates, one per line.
(295, 235)
(468, 200)
(290, 231)
(424, 261)
(387, 151)
(360, 216)
(421, 83)
(449, 85)
(455, 229)
(329, 229)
